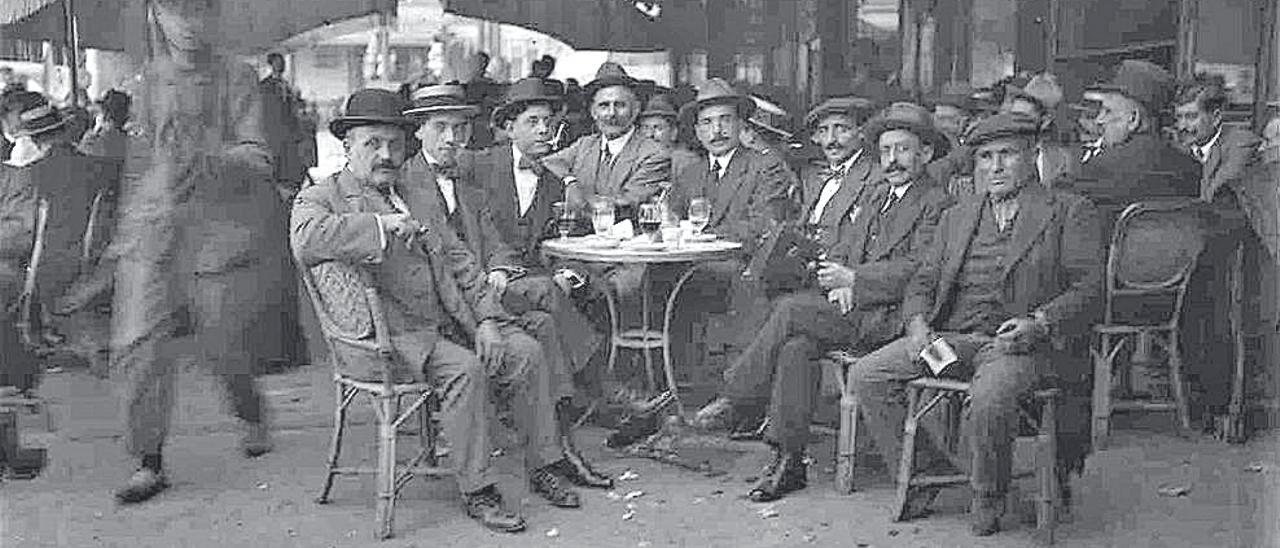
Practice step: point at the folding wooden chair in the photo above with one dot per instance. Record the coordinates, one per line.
(1050, 501)
(386, 396)
(1154, 248)
(835, 366)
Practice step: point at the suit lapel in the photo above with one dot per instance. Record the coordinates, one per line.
(1211, 167)
(851, 189)
(1035, 211)
(899, 222)
(625, 161)
(355, 196)
(967, 215)
(727, 189)
(504, 197)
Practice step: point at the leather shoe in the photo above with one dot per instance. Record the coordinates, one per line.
(786, 473)
(485, 506)
(546, 484)
(144, 484)
(579, 471)
(986, 511)
(714, 415)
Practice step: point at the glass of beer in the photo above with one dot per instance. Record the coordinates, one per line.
(699, 214)
(603, 216)
(650, 219)
(565, 219)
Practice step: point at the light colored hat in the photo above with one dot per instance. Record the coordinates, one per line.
(913, 118)
(716, 91)
(440, 98)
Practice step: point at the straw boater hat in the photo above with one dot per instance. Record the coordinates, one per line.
(913, 118)
(858, 108)
(439, 99)
(372, 107)
(39, 120)
(609, 74)
(522, 93)
(716, 91)
(659, 105)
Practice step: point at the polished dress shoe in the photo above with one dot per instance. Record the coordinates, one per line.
(786, 473)
(144, 484)
(256, 441)
(485, 506)
(546, 484)
(714, 415)
(579, 471)
(986, 511)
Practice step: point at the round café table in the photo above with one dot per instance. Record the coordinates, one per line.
(686, 257)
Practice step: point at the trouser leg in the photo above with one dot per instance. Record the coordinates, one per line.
(463, 388)
(149, 379)
(795, 388)
(225, 333)
(750, 378)
(525, 372)
(992, 417)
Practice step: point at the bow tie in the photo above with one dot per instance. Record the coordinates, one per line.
(829, 173)
(448, 172)
(532, 165)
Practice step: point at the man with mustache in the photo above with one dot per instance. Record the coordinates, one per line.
(1009, 271)
(445, 319)
(859, 290)
(659, 122)
(614, 162)
(1056, 160)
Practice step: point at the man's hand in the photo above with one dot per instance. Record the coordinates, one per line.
(489, 345)
(1019, 335)
(835, 275)
(918, 332)
(399, 225)
(842, 297)
(498, 280)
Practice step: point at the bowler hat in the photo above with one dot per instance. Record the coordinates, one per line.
(910, 117)
(369, 107)
(1004, 124)
(659, 105)
(858, 108)
(1141, 81)
(716, 91)
(524, 92)
(440, 98)
(40, 119)
(608, 75)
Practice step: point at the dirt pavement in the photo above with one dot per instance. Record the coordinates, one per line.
(222, 500)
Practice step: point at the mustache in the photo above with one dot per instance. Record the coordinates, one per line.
(386, 165)
(895, 168)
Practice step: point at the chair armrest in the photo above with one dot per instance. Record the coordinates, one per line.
(939, 384)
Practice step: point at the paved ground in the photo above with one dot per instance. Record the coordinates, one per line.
(221, 499)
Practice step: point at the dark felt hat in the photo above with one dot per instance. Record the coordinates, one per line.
(1142, 81)
(524, 92)
(659, 105)
(716, 91)
(608, 75)
(910, 117)
(851, 106)
(369, 107)
(1004, 124)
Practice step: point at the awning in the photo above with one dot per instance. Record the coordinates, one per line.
(613, 25)
(247, 25)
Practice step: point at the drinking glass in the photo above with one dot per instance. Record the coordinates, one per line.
(699, 214)
(650, 219)
(602, 216)
(564, 219)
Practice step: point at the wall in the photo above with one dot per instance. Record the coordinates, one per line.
(993, 40)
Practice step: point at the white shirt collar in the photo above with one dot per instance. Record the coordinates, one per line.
(843, 168)
(899, 191)
(444, 183)
(516, 155)
(1205, 148)
(615, 145)
(723, 159)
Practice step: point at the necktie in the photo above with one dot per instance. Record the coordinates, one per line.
(532, 165)
(889, 202)
(715, 170)
(448, 172)
(1004, 211)
(606, 157)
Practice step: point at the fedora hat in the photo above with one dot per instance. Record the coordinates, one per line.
(858, 108)
(659, 105)
(369, 107)
(910, 117)
(608, 75)
(768, 116)
(716, 91)
(524, 92)
(1142, 81)
(40, 119)
(440, 98)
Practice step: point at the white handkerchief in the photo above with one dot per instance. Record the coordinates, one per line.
(623, 230)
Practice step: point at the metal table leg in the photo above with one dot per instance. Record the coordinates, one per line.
(668, 367)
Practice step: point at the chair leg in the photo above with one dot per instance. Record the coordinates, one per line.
(906, 462)
(1179, 386)
(1102, 370)
(385, 510)
(847, 442)
(427, 433)
(1047, 473)
(335, 442)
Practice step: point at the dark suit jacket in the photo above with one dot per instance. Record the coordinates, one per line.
(1055, 264)
(494, 172)
(478, 230)
(632, 177)
(743, 201)
(17, 230)
(334, 231)
(1142, 168)
(1235, 151)
(862, 175)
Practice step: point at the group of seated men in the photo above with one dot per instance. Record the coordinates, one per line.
(450, 239)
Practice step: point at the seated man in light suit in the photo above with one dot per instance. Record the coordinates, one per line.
(1008, 270)
(445, 321)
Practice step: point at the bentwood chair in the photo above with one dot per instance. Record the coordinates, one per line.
(1154, 248)
(352, 318)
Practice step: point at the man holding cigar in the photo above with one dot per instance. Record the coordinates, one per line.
(1009, 270)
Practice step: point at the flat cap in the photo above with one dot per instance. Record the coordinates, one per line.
(1004, 124)
(853, 107)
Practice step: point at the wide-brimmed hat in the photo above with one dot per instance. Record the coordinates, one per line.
(524, 92)
(659, 105)
(716, 91)
(369, 107)
(608, 75)
(910, 117)
(858, 108)
(1142, 81)
(438, 99)
(1004, 124)
(40, 119)
(769, 116)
